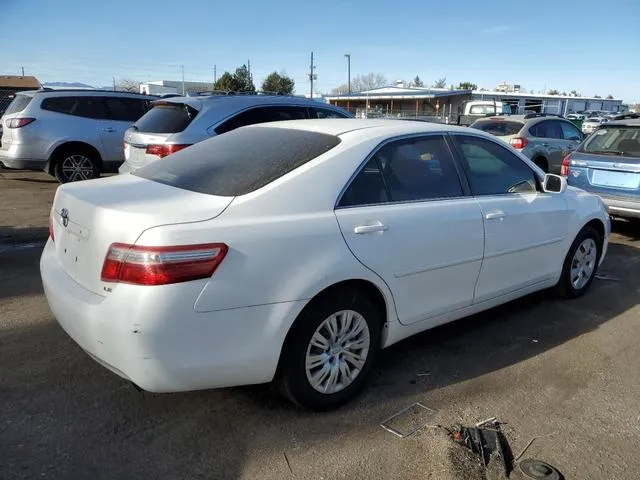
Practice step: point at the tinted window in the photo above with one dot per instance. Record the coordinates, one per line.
(239, 162)
(88, 107)
(166, 118)
(569, 132)
(262, 115)
(367, 188)
(18, 104)
(498, 127)
(547, 129)
(125, 109)
(482, 110)
(492, 169)
(325, 113)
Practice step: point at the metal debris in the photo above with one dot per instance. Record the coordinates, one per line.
(409, 420)
(539, 470)
(489, 443)
(530, 443)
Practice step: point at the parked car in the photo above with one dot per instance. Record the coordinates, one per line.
(545, 139)
(176, 123)
(72, 134)
(608, 164)
(471, 110)
(591, 124)
(294, 251)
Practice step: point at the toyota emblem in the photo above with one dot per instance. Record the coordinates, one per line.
(65, 217)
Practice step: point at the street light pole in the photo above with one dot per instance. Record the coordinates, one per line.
(348, 55)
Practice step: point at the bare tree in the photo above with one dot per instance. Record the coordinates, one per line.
(609, 97)
(441, 83)
(128, 85)
(361, 83)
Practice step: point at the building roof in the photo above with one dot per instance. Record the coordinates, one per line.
(17, 81)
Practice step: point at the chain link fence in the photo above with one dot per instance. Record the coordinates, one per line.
(4, 103)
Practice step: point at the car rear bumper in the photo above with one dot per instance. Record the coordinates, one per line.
(622, 207)
(142, 335)
(10, 160)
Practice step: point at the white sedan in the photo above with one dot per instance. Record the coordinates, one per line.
(294, 251)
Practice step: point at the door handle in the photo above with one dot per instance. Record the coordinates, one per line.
(495, 215)
(371, 228)
(545, 144)
(108, 129)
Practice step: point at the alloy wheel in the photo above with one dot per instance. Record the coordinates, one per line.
(77, 167)
(583, 263)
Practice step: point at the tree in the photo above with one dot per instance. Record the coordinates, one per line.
(553, 91)
(609, 97)
(243, 81)
(226, 83)
(441, 83)
(128, 85)
(564, 94)
(467, 86)
(417, 82)
(597, 96)
(574, 93)
(360, 83)
(341, 90)
(278, 83)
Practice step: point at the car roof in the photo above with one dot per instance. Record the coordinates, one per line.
(630, 122)
(76, 92)
(241, 101)
(377, 127)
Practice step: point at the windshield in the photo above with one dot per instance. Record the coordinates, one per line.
(166, 117)
(240, 161)
(18, 104)
(622, 140)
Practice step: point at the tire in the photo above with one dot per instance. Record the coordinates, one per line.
(587, 244)
(76, 164)
(542, 163)
(294, 379)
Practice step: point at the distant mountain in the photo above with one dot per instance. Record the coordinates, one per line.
(66, 85)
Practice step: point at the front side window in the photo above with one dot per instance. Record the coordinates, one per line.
(493, 169)
(569, 132)
(406, 170)
(325, 113)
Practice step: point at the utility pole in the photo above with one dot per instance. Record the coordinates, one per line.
(215, 77)
(114, 84)
(312, 75)
(249, 69)
(348, 55)
(182, 80)
(23, 71)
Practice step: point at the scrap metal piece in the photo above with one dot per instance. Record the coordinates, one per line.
(409, 420)
(539, 470)
(530, 443)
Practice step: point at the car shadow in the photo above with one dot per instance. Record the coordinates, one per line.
(36, 180)
(66, 416)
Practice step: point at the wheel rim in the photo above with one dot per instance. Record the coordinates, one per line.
(77, 167)
(583, 263)
(337, 351)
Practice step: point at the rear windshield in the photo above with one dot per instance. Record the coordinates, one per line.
(498, 127)
(614, 140)
(240, 161)
(166, 118)
(18, 104)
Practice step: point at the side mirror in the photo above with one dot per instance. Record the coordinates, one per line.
(554, 183)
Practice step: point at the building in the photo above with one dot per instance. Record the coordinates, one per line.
(422, 102)
(10, 84)
(161, 87)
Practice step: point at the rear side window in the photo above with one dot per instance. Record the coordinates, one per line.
(88, 107)
(18, 104)
(167, 118)
(316, 112)
(547, 129)
(498, 127)
(239, 162)
(125, 109)
(262, 115)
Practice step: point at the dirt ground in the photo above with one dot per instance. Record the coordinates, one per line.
(566, 369)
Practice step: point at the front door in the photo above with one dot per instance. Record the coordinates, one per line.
(524, 227)
(406, 218)
(121, 113)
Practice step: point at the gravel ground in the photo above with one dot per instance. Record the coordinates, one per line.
(544, 366)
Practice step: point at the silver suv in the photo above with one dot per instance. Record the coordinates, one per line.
(72, 134)
(545, 139)
(176, 123)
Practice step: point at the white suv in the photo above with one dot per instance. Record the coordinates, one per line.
(72, 134)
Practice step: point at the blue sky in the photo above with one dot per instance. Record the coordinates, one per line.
(587, 45)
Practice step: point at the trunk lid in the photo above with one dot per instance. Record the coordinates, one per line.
(606, 174)
(87, 217)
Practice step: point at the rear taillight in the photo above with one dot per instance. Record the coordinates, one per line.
(519, 142)
(162, 150)
(161, 265)
(18, 122)
(564, 171)
(51, 232)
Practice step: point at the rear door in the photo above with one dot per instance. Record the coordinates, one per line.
(406, 217)
(548, 135)
(120, 115)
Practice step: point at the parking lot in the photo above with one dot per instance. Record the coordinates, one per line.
(541, 365)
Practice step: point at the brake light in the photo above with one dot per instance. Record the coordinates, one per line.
(140, 265)
(18, 122)
(564, 171)
(51, 231)
(519, 142)
(164, 149)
